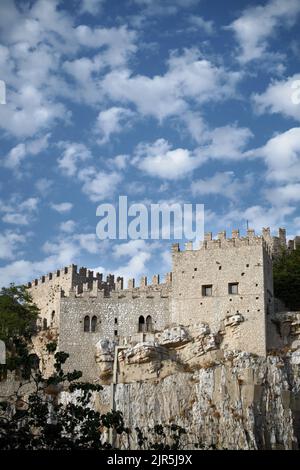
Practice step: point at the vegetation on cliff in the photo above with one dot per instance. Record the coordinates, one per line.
(286, 272)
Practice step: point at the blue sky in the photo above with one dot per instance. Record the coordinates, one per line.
(186, 101)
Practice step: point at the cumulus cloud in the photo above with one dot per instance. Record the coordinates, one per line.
(158, 159)
(91, 6)
(73, 154)
(258, 24)
(189, 76)
(10, 243)
(18, 153)
(18, 212)
(99, 185)
(224, 184)
(62, 207)
(68, 226)
(281, 154)
(278, 98)
(198, 23)
(111, 121)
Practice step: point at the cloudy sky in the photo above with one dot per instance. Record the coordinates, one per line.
(187, 101)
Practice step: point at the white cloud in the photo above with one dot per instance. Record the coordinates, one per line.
(68, 226)
(158, 159)
(199, 23)
(119, 43)
(18, 153)
(278, 98)
(225, 184)
(119, 162)
(98, 185)
(282, 156)
(91, 6)
(225, 143)
(112, 121)
(129, 249)
(73, 154)
(282, 195)
(59, 253)
(139, 253)
(90, 243)
(258, 216)
(18, 212)
(62, 207)
(189, 76)
(9, 243)
(258, 24)
(28, 111)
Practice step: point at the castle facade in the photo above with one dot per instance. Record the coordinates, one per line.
(225, 285)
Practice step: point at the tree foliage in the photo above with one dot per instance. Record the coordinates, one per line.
(17, 313)
(286, 272)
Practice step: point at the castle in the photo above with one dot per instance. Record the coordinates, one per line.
(224, 286)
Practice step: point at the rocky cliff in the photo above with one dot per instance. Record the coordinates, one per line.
(224, 399)
(241, 402)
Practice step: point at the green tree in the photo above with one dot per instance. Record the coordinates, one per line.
(18, 313)
(286, 272)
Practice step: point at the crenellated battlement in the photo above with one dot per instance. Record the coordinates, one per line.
(116, 289)
(272, 244)
(81, 281)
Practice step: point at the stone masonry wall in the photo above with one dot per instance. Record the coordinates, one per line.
(218, 263)
(117, 316)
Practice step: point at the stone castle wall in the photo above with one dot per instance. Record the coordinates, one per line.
(240, 318)
(245, 262)
(117, 316)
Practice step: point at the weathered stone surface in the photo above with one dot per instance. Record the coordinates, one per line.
(104, 357)
(217, 407)
(174, 336)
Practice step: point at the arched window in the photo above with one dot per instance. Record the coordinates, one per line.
(94, 324)
(141, 324)
(149, 323)
(86, 326)
(45, 324)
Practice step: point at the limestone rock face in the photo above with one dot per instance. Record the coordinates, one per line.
(104, 357)
(241, 402)
(141, 353)
(174, 336)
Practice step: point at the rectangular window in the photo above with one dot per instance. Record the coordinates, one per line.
(116, 332)
(207, 290)
(233, 288)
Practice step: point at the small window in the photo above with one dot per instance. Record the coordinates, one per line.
(207, 290)
(116, 332)
(52, 314)
(116, 321)
(141, 324)
(86, 324)
(45, 324)
(149, 323)
(94, 324)
(195, 269)
(233, 288)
